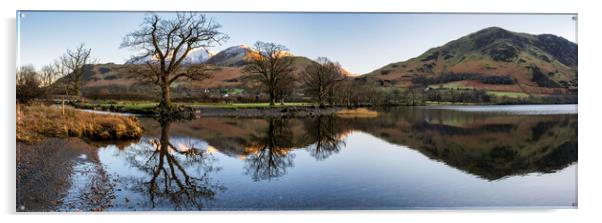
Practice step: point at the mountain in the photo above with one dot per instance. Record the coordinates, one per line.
(195, 56)
(235, 56)
(492, 59)
(114, 80)
(501, 62)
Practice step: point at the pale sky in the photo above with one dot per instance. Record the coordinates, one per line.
(361, 42)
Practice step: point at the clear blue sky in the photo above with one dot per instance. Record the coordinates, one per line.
(360, 42)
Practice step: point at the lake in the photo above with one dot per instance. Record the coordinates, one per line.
(441, 157)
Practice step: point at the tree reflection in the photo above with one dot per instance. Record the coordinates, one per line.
(326, 133)
(178, 175)
(271, 156)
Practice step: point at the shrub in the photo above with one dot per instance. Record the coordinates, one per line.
(451, 77)
(503, 79)
(28, 85)
(541, 79)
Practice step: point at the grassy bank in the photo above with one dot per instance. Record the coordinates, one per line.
(143, 108)
(35, 122)
(149, 108)
(249, 105)
(357, 113)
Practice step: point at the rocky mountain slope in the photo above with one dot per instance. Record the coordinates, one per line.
(491, 59)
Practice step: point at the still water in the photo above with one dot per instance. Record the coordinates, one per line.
(405, 158)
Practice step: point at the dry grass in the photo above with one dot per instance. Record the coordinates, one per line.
(357, 113)
(35, 122)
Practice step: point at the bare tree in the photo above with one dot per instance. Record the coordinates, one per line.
(167, 42)
(285, 89)
(28, 84)
(413, 94)
(74, 61)
(61, 72)
(321, 78)
(273, 66)
(348, 93)
(47, 75)
(25, 72)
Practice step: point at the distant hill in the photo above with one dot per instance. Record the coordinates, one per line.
(228, 73)
(491, 59)
(495, 60)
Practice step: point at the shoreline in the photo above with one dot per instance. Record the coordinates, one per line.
(282, 111)
(298, 112)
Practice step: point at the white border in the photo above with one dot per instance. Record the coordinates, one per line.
(589, 98)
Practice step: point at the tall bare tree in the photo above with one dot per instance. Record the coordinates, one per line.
(74, 61)
(321, 78)
(61, 72)
(165, 43)
(48, 75)
(273, 66)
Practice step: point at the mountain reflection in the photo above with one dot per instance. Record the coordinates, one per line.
(176, 176)
(488, 145)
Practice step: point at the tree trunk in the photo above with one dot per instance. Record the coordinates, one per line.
(165, 136)
(272, 98)
(320, 102)
(165, 103)
(63, 101)
(76, 85)
(165, 97)
(76, 89)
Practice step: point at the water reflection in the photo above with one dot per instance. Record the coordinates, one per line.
(327, 133)
(270, 157)
(403, 158)
(178, 175)
(490, 146)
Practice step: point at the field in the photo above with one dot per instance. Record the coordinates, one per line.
(508, 94)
